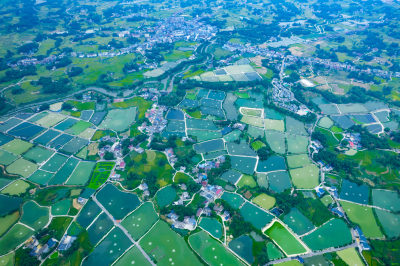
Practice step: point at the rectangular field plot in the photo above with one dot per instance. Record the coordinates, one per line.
(133, 256)
(17, 235)
(305, 177)
(81, 174)
(276, 140)
(284, 239)
(273, 163)
(255, 215)
(21, 167)
(175, 114)
(75, 145)
(115, 200)
(119, 119)
(297, 143)
(175, 126)
(271, 124)
(203, 135)
(352, 108)
(256, 132)
(99, 228)
(231, 176)
(66, 170)
(216, 95)
(212, 251)
(38, 154)
(140, 221)
(54, 163)
(61, 207)
(88, 213)
(229, 107)
(329, 109)
(78, 127)
(15, 189)
(279, 181)
(6, 157)
(363, 216)
(245, 165)
(60, 141)
(218, 112)
(389, 200)
(233, 199)
(254, 121)
(200, 124)
(17, 146)
(40, 177)
(5, 139)
(66, 124)
(87, 133)
(26, 130)
(97, 117)
(295, 127)
(12, 122)
(50, 120)
(240, 149)
(334, 233)
(352, 192)
(298, 222)
(46, 137)
(100, 174)
(298, 160)
(390, 222)
(264, 201)
(209, 146)
(111, 248)
(86, 115)
(157, 243)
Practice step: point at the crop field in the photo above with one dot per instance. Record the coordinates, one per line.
(264, 201)
(165, 196)
(229, 107)
(7, 260)
(305, 177)
(279, 181)
(246, 165)
(297, 143)
(140, 221)
(295, 127)
(352, 108)
(17, 146)
(252, 120)
(353, 192)
(74, 145)
(251, 112)
(38, 154)
(7, 221)
(50, 119)
(133, 256)
(329, 109)
(240, 149)
(66, 170)
(233, 199)
(243, 246)
(271, 124)
(12, 122)
(325, 122)
(21, 167)
(390, 222)
(298, 222)
(256, 145)
(40, 177)
(209, 146)
(97, 117)
(284, 239)
(5, 139)
(119, 119)
(18, 234)
(211, 251)
(256, 216)
(100, 174)
(273, 251)
(256, 132)
(66, 124)
(212, 226)
(298, 160)
(109, 249)
(6, 157)
(114, 201)
(334, 233)
(203, 135)
(54, 163)
(88, 213)
(386, 199)
(16, 188)
(9, 204)
(276, 140)
(46, 137)
(350, 256)
(60, 141)
(363, 216)
(34, 216)
(81, 174)
(78, 127)
(166, 247)
(175, 114)
(246, 181)
(26, 130)
(99, 228)
(61, 207)
(234, 135)
(273, 163)
(200, 124)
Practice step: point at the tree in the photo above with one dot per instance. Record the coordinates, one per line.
(109, 156)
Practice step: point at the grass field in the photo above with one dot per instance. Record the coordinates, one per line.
(350, 256)
(167, 247)
(264, 201)
(140, 221)
(22, 167)
(7, 260)
(212, 251)
(363, 216)
(100, 174)
(305, 177)
(18, 234)
(17, 146)
(16, 188)
(34, 216)
(7, 221)
(81, 174)
(284, 239)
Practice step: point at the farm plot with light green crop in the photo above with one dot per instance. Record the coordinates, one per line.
(17, 146)
(100, 174)
(284, 239)
(252, 120)
(133, 256)
(276, 140)
(246, 181)
(350, 256)
(271, 124)
(325, 122)
(81, 174)
(17, 235)
(305, 177)
(6, 157)
(212, 251)
(297, 143)
(298, 160)
(78, 127)
(264, 201)
(141, 220)
(22, 167)
(50, 119)
(38, 154)
(119, 119)
(16, 188)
